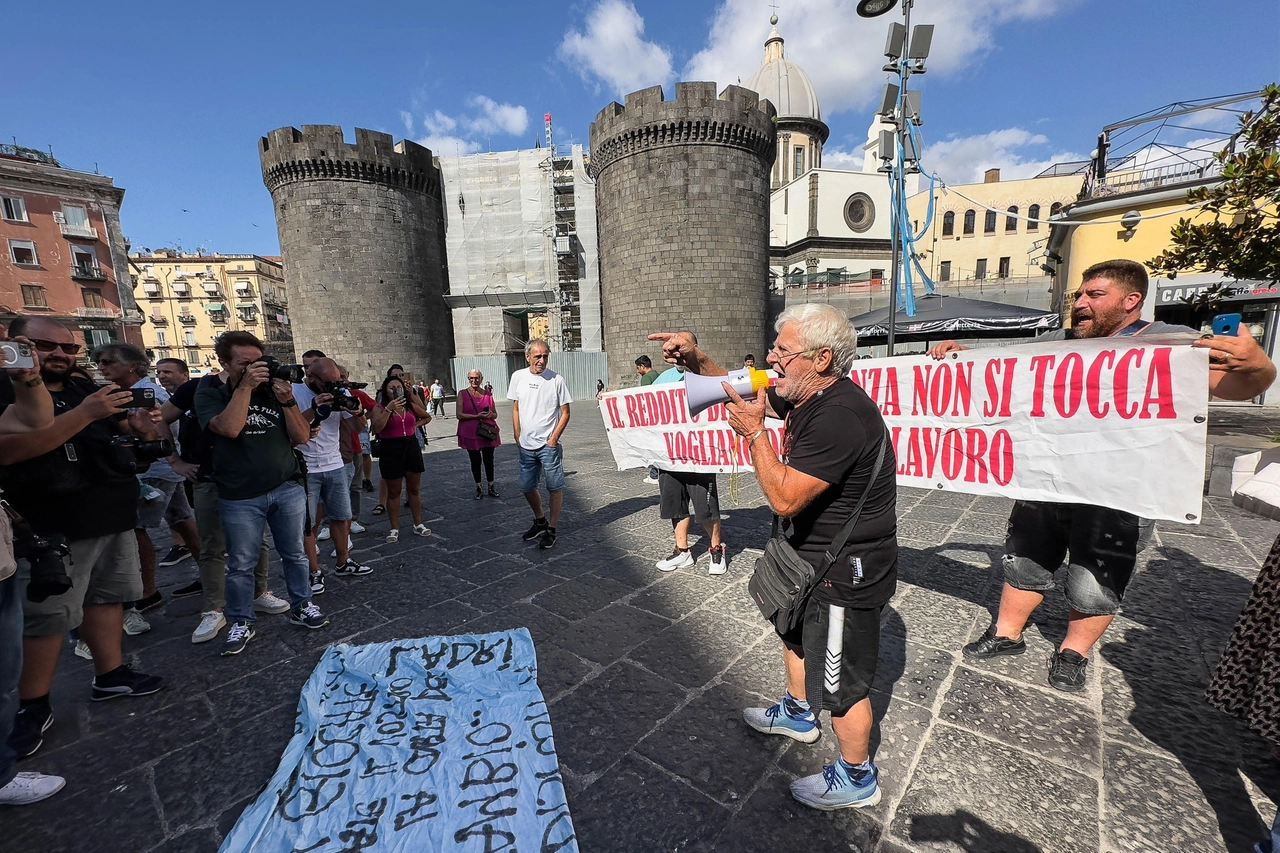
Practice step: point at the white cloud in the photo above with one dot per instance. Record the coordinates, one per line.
(1017, 153)
(449, 146)
(438, 122)
(497, 118)
(842, 52)
(612, 50)
(406, 118)
(836, 158)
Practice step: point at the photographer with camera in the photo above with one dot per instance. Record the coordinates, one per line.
(326, 402)
(396, 416)
(255, 423)
(78, 492)
(32, 410)
(163, 498)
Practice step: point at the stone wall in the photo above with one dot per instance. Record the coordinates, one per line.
(361, 234)
(682, 193)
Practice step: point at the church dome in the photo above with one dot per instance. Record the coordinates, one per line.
(784, 83)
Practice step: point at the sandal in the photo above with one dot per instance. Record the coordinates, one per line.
(379, 509)
(422, 530)
(393, 535)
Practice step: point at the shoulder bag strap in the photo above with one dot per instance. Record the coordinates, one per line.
(845, 532)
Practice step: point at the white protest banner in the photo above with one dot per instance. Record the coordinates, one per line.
(1117, 422)
(438, 743)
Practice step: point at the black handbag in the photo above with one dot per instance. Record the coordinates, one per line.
(487, 430)
(783, 580)
(375, 447)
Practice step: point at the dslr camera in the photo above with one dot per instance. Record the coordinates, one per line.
(342, 398)
(47, 556)
(131, 453)
(279, 370)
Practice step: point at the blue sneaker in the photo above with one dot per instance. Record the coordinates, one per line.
(834, 789)
(775, 720)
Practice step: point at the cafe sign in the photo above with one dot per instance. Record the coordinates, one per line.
(1241, 291)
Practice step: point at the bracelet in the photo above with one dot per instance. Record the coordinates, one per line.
(288, 404)
(35, 382)
(753, 438)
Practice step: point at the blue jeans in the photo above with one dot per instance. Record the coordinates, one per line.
(284, 510)
(11, 591)
(547, 460)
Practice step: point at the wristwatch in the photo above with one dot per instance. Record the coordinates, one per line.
(288, 404)
(34, 382)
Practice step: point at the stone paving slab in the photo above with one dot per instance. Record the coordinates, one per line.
(645, 674)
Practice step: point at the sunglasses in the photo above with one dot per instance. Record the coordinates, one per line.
(50, 346)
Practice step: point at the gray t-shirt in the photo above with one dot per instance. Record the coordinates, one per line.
(1158, 327)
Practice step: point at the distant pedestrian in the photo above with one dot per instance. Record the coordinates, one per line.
(748, 360)
(437, 398)
(644, 369)
(478, 432)
(599, 389)
(394, 421)
(539, 417)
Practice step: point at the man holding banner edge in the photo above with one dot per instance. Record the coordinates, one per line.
(1103, 543)
(828, 464)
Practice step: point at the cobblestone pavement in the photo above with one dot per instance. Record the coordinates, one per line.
(646, 675)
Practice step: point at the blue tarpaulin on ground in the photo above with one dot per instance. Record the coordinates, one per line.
(439, 743)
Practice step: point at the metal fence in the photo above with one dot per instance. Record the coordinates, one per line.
(579, 369)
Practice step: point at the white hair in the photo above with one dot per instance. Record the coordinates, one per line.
(819, 325)
(528, 348)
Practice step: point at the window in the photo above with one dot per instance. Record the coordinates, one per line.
(33, 296)
(160, 338)
(980, 271)
(76, 220)
(1004, 268)
(84, 257)
(1055, 208)
(859, 212)
(1033, 212)
(162, 353)
(944, 271)
(14, 209)
(92, 297)
(190, 337)
(799, 153)
(193, 356)
(877, 275)
(989, 222)
(98, 337)
(948, 223)
(969, 219)
(1011, 221)
(23, 252)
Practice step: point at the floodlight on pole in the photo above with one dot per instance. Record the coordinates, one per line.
(874, 8)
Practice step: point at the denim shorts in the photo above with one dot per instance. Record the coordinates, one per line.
(548, 460)
(1103, 546)
(333, 489)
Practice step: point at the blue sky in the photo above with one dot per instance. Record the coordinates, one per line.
(170, 99)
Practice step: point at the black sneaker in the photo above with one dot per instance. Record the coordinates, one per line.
(353, 569)
(539, 526)
(548, 538)
(308, 616)
(151, 602)
(176, 555)
(123, 681)
(29, 726)
(193, 588)
(368, 486)
(990, 646)
(1066, 670)
(238, 636)
(317, 583)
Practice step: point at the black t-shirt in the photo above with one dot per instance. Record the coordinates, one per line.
(258, 460)
(835, 436)
(81, 490)
(196, 446)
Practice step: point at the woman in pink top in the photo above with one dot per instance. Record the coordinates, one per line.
(475, 407)
(395, 420)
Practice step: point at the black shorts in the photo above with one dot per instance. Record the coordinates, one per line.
(677, 488)
(400, 456)
(838, 668)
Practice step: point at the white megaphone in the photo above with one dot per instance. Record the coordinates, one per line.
(703, 392)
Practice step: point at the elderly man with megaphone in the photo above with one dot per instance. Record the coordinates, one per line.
(833, 491)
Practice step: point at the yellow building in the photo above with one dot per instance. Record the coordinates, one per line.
(188, 300)
(978, 243)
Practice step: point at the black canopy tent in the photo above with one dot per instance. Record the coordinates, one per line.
(938, 316)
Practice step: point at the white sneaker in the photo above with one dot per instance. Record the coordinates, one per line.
(357, 527)
(679, 559)
(28, 787)
(82, 650)
(719, 560)
(653, 481)
(211, 622)
(323, 535)
(270, 603)
(134, 624)
(350, 545)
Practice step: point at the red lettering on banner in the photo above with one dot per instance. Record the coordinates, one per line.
(1093, 383)
(1040, 364)
(664, 409)
(975, 448)
(915, 467)
(611, 406)
(1120, 387)
(940, 390)
(932, 444)
(1068, 385)
(671, 448)
(715, 412)
(1002, 457)
(891, 405)
(963, 400)
(678, 405)
(895, 433)
(682, 447)
(952, 454)
(920, 389)
(632, 415)
(1159, 387)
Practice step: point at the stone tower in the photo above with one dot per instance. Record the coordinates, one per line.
(362, 237)
(682, 194)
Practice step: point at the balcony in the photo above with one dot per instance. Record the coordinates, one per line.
(81, 232)
(159, 320)
(187, 319)
(88, 272)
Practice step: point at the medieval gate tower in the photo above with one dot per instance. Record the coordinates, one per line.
(362, 236)
(682, 193)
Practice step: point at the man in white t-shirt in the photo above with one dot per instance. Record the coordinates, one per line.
(539, 418)
(327, 480)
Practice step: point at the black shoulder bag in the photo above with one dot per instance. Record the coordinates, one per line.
(783, 580)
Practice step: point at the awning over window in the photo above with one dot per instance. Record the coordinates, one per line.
(215, 306)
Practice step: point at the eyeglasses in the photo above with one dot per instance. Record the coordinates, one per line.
(782, 355)
(473, 378)
(50, 346)
(107, 362)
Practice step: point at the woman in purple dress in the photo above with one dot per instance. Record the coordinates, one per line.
(478, 429)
